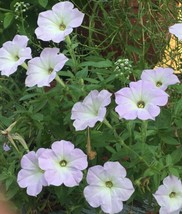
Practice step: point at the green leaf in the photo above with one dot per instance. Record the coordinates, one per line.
(174, 171)
(170, 140)
(110, 149)
(83, 73)
(169, 160)
(43, 3)
(102, 64)
(8, 19)
(176, 155)
(28, 96)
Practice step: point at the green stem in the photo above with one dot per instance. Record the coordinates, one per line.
(124, 144)
(144, 134)
(5, 10)
(60, 81)
(72, 53)
(24, 65)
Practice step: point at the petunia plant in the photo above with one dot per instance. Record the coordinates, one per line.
(120, 120)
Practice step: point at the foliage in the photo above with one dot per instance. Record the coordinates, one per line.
(149, 150)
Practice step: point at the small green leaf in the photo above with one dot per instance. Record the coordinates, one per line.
(8, 19)
(43, 3)
(170, 140)
(101, 64)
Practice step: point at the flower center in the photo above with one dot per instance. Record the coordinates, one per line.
(109, 184)
(16, 58)
(172, 194)
(50, 70)
(62, 26)
(141, 104)
(63, 163)
(158, 83)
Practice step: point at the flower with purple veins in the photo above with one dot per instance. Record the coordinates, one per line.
(14, 53)
(63, 164)
(176, 29)
(42, 70)
(31, 176)
(59, 22)
(108, 187)
(90, 110)
(140, 100)
(160, 77)
(169, 195)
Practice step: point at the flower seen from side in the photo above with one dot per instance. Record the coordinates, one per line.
(42, 70)
(169, 195)
(108, 187)
(176, 29)
(90, 110)
(140, 100)
(31, 176)
(59, 22)
(63, 164)
(160, 77)
(14, 53)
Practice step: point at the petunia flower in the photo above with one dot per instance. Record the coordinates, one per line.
(59, 22)
(160, 77)
(31, 176)
(176, 29)
(14, 53)
(169, 195)
(42, 70)
(108, 187)
(6, 147)
(90, 110)
(141, 100)
(63, 164)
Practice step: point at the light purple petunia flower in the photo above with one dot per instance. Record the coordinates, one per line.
(108, 187)
(6, 147)
(160, 77)
(63, 164)
(42, 70)
(141, 100)
(31, 176)
(169, 195)
(90, 110)
(14, 53)
(176, 29)
(59, 22)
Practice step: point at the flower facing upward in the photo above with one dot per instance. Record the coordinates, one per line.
(31, 176)
(141, 100)
(169, 195)
(42, 70)
(63, 164)
(90, 110)
(14, 53)
(176, 29)
(108, 187)
(160, 77)
(59, 22)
